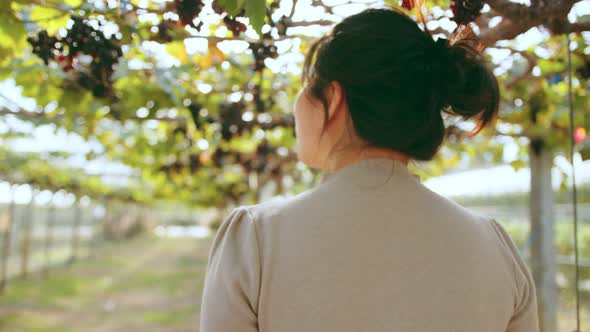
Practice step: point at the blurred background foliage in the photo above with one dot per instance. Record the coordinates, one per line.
(195, 97)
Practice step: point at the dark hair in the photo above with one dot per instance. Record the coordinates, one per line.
(398, 81)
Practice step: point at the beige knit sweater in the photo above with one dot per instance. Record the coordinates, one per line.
(369, 249)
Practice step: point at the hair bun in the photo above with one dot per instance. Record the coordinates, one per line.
(470, 88)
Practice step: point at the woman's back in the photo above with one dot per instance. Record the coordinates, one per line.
(370, 249)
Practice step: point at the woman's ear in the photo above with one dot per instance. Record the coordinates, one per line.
(336, 100)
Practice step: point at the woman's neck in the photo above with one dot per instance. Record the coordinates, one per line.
(347, 157)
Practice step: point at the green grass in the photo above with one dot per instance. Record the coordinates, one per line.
(144, 284)
(30, 322)
(167, 317)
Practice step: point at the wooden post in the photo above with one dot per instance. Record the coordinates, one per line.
(50, 222)
(94, 236)
(543, 263)
(107, 225)
(76, 231)
(26, 238)
(6, 242)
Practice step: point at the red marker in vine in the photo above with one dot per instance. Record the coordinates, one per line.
(408, 4)
(579, 134)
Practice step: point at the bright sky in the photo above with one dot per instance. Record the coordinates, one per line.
(44, 138)
(502, 179)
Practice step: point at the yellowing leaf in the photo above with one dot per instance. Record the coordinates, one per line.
(213, 57)
(177, 50)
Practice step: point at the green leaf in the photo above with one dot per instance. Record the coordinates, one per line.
(74, 3)
(256, 12)
(12, 36)
(518, 164)
(74, 101)
(232, 7)
(49, 19)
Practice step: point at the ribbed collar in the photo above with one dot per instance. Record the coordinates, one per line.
(372, 171)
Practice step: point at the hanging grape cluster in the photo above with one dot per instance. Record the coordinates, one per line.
(259, 162)
(259, 103)
(466, 11)
(81, 39)
(105, 53)
(198, 119)
(43, 45)
(232, 24)
(164, 35)
(263, 50)
(584, 70)
(264, 160)
(231, 120)
(188, 10)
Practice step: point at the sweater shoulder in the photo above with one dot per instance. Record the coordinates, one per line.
(271, 210)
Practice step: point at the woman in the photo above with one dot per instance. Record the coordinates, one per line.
(371, 248)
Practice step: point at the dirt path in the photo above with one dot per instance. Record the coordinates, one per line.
(147, 284)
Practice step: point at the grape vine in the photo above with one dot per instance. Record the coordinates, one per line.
(85, 49)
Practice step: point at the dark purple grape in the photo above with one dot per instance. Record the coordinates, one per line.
(43, 46)
(466, 11)
(194, 109)
(188, 10)
(263, 50)
(234, 26)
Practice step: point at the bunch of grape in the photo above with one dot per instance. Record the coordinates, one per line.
(584, 70)
(164, 35)
(233, 25)
(259, 103)
(231, 120)
(81, 39)
(195, 109)
(219, 158)
(198, 119)
(263, 152)
(466, 11)
(263, 50)
(105, 53)
(194, 162)
(173, 168)
(188, 10)
(43, 45)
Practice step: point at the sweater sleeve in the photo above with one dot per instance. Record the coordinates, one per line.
(525, 316)
(232, 282)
